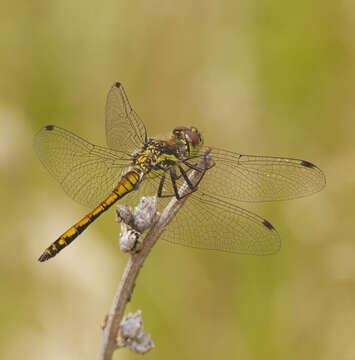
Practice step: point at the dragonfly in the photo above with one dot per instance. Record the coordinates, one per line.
(135, 165)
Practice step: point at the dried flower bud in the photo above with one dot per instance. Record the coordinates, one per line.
(132, 334)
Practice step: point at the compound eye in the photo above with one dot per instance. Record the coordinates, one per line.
(192, 137)
(197, 133)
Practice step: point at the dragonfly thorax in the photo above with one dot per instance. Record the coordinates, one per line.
(159, 155)
(155, 155)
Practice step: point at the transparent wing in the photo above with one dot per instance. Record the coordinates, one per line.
(86, 172)
(207, 222)
(125, 131)
(260, 178)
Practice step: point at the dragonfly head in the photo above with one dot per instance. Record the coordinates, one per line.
(191, 137)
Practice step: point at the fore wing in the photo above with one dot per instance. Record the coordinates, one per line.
(125, 131)
(260, 178)
(86, 172)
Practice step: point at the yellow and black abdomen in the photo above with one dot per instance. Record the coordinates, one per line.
(127, 183)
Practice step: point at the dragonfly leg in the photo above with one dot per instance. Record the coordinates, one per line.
(192, 166)
(160, 189)
(174, 177)
(161, 185)
(208, 163)
(186, 178)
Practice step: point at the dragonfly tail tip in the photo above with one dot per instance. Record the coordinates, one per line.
(44, 257)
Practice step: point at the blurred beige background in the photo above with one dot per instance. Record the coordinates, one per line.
(264, 77)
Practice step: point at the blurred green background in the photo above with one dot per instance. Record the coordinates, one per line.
(265, 77)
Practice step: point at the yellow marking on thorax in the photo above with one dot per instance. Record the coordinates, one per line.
(167, 156)
(154, 173)
(162, 157)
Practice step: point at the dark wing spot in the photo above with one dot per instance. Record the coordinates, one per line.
(268, 225)
(307, 164)
(49, 127)
(118, 84)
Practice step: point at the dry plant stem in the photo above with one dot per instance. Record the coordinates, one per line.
(136, 261)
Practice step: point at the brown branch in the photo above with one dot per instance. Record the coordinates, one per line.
(136, 261)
